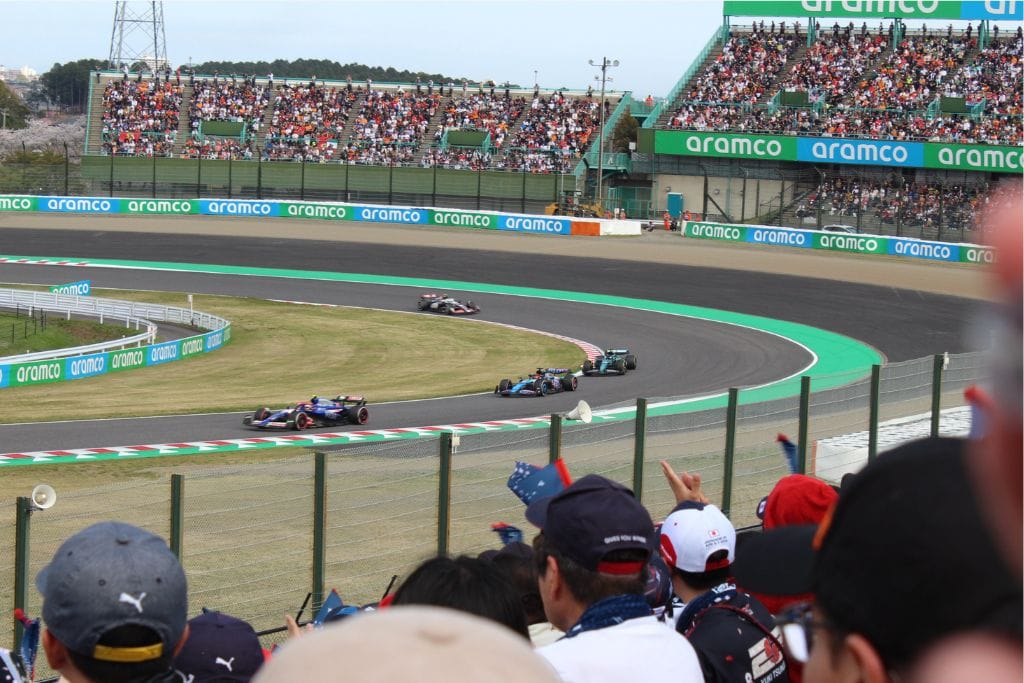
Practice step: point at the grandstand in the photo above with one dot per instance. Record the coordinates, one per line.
(803, 119)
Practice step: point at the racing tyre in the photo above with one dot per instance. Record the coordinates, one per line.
(301, 421)
(620, 365)
(260, 414)
(631, 361)
(540, 387)
(588, 366)
(421, 304)
(570, 383)
(504, 385)
(359, 416)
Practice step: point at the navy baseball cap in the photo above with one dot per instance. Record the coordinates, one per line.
(219, 648)
(110, 575)
(591, 518)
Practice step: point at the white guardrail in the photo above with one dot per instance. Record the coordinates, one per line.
(134, 314)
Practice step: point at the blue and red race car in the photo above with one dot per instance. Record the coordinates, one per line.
(316, 412)
(542, 382)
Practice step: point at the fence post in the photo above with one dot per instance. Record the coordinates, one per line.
(319, 527)
(259, 178)
(67, 163)
(177, 513)
(730, 449)
(347, 167)
(433, 192)
(21, 569)
(110, 188)
(639, 445)
(302, 181)
(805, 411)
(479, 174)
(522, 204)
(938, 365)
(391, 183)
(555, 438)
(876, 380)
(154, 176)
(230, 167)
(199, 176)
(444, 493)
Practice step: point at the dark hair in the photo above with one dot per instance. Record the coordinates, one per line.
(467, 584)
(518, 566)
(129, 635)
(706, 580)
(589, 586)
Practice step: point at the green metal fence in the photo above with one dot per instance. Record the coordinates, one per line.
(256, 539)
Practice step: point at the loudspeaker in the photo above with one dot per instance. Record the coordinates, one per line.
(43, 496)
(581, 412)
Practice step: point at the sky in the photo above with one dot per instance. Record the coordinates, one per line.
(654, 41)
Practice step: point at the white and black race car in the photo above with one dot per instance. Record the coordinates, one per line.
(442, 303)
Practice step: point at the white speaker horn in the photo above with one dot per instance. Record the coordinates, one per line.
(43, 496)
(581, 412)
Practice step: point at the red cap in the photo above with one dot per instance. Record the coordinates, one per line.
(798, 499)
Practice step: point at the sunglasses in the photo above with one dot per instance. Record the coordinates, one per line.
(798, 624)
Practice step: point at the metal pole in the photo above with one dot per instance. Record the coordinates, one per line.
(302, 181)
(319, 527)
(805, 410)
(444, 493)
(177, 513)
(876, 376)
(433, 191)
(555, 438)
(938, 365)
(605, 63)
(66, 164)
(479, 174)
(21, 568)
(230, 166)
(730, 448)
(259, 179)
(522, 207)
(111, 187)
(639, 444)
(391, 183)
(154, 175)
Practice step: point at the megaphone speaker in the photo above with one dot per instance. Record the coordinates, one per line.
(581, 412)
(43, 496)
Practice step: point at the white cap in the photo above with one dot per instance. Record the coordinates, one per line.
(689, 536)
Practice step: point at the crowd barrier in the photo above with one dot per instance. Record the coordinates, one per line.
(17, 374)
(903, 247)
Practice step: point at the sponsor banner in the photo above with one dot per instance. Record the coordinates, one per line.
(541, 224)
(17, 203)
(126, 359)
(391, 214)
(39, 372)
(85, 366)
(163, 353)
(863, 152)
(1007, 10)
(192, 345)
(333, 212)
(160, 206)
(860, 244)
(937, 251)
(692, 143)
(227, 334)
(463, 219)
(975, 254)
(80, 288)
(79, 205)
(238, 207)
(214, 340)
(715, 231)
(973, 157)
(780, 236)
(5, 374)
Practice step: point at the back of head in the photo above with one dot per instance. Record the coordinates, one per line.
(797, 499)
(116, 598)
(906, 559)
(699, 542)
(219, 649)
(467, 584)
(404, 643)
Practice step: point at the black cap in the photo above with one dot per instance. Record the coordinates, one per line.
(591, 518)
(904, 559)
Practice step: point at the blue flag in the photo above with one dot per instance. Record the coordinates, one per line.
(531, 483)
(333, 608)
(29, 645)
(508, 533)
(789, 450)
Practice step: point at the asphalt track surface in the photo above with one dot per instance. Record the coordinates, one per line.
(678, 357)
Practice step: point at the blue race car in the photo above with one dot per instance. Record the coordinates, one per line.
(542, 382)
(614, 361)
(316, 412)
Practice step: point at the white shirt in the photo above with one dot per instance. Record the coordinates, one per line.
(642, 649)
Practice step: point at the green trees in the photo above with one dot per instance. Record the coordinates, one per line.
(67, 85)
(625, 132)
(321, 68)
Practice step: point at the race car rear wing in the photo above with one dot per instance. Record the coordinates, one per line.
(350, 399)
(616, 352)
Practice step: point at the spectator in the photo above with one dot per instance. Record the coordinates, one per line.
(591, 554)
(903, 561)
(735, 636)
(219, 649)
(114, 604)
(515, 561)
(467, 584)
(402, 644)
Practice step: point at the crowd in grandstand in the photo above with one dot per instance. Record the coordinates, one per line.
(746, 68)
(307, 122)
(222, 148)
(926, 205)
(457, 158)
(390, 125)
(482, 112)
(226, 100)
(140, 117)
(553, 133)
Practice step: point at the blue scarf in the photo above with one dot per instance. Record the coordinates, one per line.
(721, 593)
(609, 612)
